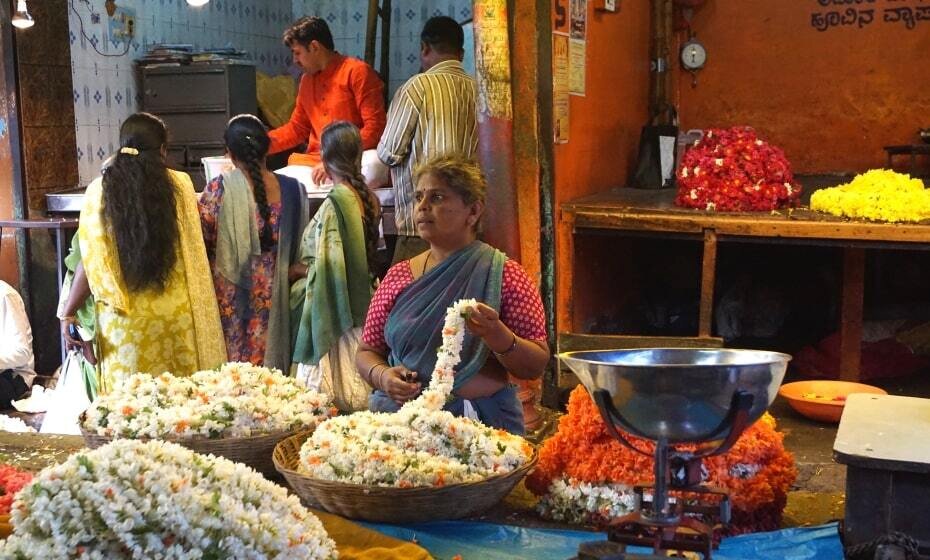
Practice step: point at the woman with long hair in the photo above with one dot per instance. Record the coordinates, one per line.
(333, 279)
(252, 219)
(143, 261)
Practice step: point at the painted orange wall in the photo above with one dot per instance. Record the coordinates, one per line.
(605, 123)
(831, 99)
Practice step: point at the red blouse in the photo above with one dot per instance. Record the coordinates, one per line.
(521, 304)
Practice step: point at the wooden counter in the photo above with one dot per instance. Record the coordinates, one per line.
(653, 213)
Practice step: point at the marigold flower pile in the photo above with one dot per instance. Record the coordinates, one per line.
(421, 444)
(12, 481)
(238, 400)
(732, 170)
(757, 471)
(879, 195)
(157, 500)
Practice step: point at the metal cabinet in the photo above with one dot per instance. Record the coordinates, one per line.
(196, 101)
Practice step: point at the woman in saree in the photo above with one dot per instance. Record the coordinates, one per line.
(333, 283)
(252, 219)
(143, 260)
(505, 331)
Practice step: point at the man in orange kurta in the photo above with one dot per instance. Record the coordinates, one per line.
(333, 88)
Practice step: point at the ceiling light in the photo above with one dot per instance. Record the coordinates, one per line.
(197, 3)
(21, 18)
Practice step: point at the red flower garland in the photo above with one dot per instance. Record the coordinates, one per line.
(582, 449)
(732, 170)
(11, 482)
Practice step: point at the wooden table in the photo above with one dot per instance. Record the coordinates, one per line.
(912, 150)
(652, 212)
(882, 440)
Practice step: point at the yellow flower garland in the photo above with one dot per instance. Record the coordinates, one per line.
(879, 195)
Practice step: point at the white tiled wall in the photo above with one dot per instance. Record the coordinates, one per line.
(105, 82)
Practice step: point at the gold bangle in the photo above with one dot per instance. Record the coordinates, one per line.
(368, 375)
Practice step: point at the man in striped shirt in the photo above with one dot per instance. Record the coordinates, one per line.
(433, 114)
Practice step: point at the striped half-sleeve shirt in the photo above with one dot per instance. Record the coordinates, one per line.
(433, 114)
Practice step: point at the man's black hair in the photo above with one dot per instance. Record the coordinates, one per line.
(307, 29)
(444, 35)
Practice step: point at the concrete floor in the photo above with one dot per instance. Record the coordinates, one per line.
(818, 494)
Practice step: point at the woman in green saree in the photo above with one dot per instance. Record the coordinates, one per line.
(332, 280)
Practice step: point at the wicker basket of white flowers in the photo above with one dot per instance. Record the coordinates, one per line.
(239, 412)
(420, 463)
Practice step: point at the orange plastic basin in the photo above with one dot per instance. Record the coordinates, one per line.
(823, 400)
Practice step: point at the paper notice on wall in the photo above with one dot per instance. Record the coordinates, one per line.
(560, 98)
(576, 66)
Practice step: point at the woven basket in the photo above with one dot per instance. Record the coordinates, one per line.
(393, 505)
(254, 451)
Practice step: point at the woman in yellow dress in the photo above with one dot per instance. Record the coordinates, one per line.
(144, 261)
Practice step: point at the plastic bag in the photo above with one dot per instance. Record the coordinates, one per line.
(71, 398)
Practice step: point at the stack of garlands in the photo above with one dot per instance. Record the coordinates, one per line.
(237, 400)
(158, 500)
(879, 195)
(419, 445)
(732, 170)
(585, 476)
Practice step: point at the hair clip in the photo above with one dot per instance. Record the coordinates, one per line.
(128, 150)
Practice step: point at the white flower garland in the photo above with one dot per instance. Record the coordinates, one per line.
(421, 444)
(158, 500)
(238, 400)
(571, 501)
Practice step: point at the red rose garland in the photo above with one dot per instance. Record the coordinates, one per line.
(11, 482)
(757, 471)
(732, 170)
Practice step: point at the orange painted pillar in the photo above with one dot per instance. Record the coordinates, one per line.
(496, 151)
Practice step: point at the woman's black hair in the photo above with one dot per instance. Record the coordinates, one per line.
(341, 149)
(139, 204)
(247, 140)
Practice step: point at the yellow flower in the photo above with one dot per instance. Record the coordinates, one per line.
(879, 195)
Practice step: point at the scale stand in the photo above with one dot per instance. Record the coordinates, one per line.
(677, 526)
(700, 397)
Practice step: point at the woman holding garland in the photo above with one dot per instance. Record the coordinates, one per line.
(404, 322)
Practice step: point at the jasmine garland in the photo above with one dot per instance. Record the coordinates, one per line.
(158, 500)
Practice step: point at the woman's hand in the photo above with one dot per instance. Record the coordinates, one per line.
(319, 175)
(296, 272)
(485, 322)
(398, 382)
(71, 342)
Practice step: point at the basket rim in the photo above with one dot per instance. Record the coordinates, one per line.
(197, 439)
(369, 489)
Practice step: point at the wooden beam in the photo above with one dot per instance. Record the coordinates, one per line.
(851, 313)
(708, 282)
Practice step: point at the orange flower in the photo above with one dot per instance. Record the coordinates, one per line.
(582, 449)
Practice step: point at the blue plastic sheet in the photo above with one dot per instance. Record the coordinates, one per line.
(488, 541)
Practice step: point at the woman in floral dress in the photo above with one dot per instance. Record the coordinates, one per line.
(144, 263)
(252, 219)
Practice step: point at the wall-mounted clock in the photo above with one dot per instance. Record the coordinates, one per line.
(693, 55)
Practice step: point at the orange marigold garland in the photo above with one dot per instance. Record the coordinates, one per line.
(757, 471)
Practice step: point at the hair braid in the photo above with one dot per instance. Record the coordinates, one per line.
(369, 217)
(266, 236)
